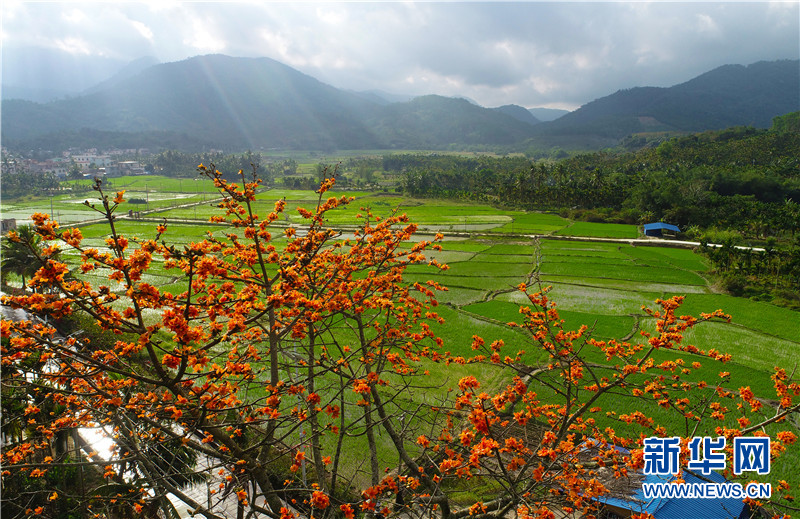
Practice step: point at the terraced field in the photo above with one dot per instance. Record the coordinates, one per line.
(193, 199)
(605, 285)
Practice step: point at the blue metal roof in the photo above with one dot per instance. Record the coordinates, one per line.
(679, 508)
(636, 502)
(660, 225)
(730, 508)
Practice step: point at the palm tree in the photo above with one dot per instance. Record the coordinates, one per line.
(20, 256)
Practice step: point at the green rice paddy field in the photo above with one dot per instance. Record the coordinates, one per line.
(602, 284)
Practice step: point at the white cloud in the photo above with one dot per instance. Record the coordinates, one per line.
(204, 38)
(336, 17)
(544, 84)
(504, 46)
(161, 6)
(143, 29)
(74, 16)
(707, 26)
(73, 46)
(10, 9)
(279, 47)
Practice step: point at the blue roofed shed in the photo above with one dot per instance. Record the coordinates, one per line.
(658, 228)
(634, 502)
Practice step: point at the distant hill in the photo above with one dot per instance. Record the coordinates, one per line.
(547, 114)
(434, 121)
(259, 103)
(731, 95)
(518, 113)
(128, 71)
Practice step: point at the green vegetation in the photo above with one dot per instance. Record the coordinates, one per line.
(771, 273)
(487, 207)
(602, 284)
(736, 187)
(609, 230)
(736, 179)
(22, 185)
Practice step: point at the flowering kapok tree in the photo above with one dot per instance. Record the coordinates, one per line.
(280, 381)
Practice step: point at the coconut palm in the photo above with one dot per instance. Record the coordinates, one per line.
(19, 256)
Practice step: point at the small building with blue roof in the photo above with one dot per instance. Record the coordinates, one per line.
(660, 229)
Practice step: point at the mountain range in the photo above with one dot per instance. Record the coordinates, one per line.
(731, 95)
(258, 103)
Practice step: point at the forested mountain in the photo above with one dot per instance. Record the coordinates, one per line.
(130, 70)
(731, 95)
(436, 121)
(231, 101)
(259, 103)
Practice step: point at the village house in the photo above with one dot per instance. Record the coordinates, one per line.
(129, 167)
(84, 161)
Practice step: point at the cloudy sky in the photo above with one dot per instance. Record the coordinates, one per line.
(534, 54)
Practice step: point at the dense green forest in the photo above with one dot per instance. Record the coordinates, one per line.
(174, 163)
(739, 179)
